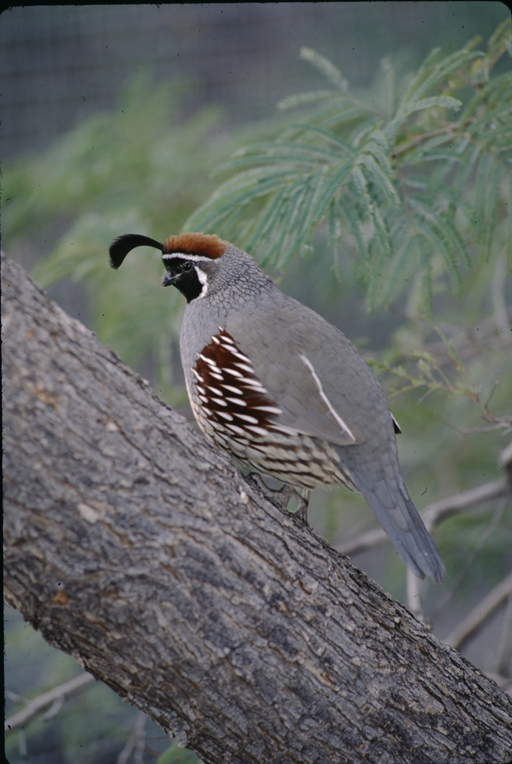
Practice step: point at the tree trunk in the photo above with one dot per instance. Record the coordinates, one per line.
(141, 551)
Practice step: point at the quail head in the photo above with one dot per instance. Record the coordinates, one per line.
(281, 389)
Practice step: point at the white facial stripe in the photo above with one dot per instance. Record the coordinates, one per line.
(326, 400)
(203, 278)
(184, 256)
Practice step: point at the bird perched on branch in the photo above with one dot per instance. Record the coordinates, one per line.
(281, 389)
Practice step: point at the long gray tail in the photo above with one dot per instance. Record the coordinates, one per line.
(400, 519)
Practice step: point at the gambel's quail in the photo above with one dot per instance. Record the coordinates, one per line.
(281, 389)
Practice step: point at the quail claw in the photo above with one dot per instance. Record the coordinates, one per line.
(302, 510)
(278, 497)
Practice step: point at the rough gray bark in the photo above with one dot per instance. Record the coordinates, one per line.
(133, 546)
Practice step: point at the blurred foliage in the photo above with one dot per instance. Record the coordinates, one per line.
(141, 168)
(421, 183)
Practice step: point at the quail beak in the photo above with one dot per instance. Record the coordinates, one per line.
(168, 280)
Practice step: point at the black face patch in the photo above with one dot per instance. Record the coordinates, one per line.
(185, 275)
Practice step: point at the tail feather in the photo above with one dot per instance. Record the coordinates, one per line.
(400, 519)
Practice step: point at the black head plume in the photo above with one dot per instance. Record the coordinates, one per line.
(124, 244)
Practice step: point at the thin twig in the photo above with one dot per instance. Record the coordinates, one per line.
(468, 343)
(505, 647)
(479, 614)
(37, 705)
(450, 129)
(414, 599)
(23, 745)
(440, 510)
(463, 571)
(135, 742)
(499, 301)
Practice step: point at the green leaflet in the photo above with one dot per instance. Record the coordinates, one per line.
(503, 112)
(434, 73)
(280, 151)
(239, 191)
(270, 217)
(348, 160)
(436, 234)
(428, 103)
(301, 99)
(484, 179)
(355, 224)
(330, 136)
(375, 173)
(394, 270)
(326, 67)
(426, 290)
(328, 184)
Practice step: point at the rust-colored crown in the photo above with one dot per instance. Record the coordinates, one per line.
(206, 244)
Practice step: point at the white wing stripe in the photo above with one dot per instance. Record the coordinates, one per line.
(326, 400)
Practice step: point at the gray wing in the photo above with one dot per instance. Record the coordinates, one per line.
(310, 369)
(326, 389)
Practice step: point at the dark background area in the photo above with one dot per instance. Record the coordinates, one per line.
(61, 64)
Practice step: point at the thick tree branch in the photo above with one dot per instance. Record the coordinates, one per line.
(140, 551)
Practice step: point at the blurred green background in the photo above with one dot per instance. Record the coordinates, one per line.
(114, 118)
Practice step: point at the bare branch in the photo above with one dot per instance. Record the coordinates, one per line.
(135, 742)
(469, 344)
(505, 647)
(462, 572)
(414, 598)
(480, 613)
(60, 693)
(505, 461)
(498, 296)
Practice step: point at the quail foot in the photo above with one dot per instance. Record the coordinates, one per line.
(281, 389)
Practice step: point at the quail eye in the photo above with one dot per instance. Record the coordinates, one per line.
(186, 266)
